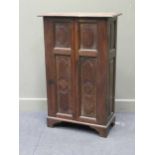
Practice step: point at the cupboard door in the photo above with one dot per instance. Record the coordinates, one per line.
(92, 59)
(87, 64)
(60, 59)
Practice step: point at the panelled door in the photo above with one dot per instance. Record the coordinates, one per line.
(91, 70)
(76, 70)
(60, 67)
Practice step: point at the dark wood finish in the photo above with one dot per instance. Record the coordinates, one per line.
(87, 83)
(52, 122)
(80, 57)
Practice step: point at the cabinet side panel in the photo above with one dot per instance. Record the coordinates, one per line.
(111, 85)
(114, 77)
(112, 29)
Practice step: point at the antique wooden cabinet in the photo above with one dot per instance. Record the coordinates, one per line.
(80, 51)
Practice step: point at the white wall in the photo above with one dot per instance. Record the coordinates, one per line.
(32, 63)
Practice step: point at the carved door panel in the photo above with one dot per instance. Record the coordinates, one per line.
(87, 76)
(60, 66)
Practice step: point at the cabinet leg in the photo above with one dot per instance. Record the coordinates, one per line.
(101, 131)
(51, 123)
(113, 122)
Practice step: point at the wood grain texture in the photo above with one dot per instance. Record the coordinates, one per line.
(112, 35)
(80, 69)
(50, 65)
(88, 86)
(63, 74)
(88, 36)
(62, 34)
(102, 71)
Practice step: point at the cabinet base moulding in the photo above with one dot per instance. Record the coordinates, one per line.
(103, 130)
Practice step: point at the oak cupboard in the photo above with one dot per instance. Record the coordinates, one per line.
(80, 52)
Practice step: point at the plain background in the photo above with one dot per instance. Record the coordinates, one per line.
(145, 75)
(32, 61)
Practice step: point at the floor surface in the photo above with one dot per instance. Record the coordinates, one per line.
(67, 139)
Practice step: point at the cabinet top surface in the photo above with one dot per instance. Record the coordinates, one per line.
(80, 14)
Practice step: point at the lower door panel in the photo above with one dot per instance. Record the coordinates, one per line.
(87, 87)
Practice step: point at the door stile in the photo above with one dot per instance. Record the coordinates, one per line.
(76, 69)
(74, 61)
(50, 66)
